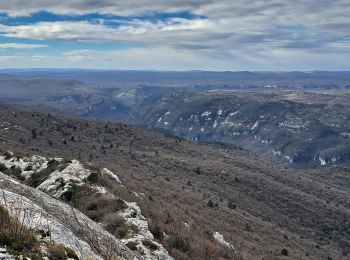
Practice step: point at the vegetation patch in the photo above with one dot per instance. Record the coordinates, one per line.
(150, 245)
(132, 245)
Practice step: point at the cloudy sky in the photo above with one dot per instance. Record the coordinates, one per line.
(176, 34)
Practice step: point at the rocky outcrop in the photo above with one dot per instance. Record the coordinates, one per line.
(68, 226)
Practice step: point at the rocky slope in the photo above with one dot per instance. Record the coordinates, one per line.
(200, 201)
(300, 129)
(68, 226)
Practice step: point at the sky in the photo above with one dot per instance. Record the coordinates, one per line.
(220, 35)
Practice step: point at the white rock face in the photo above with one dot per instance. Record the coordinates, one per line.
(133, 216)
(4, 255)
(33, 216)
(110, 174)
(28, 165)
(322, 161)
(256, 124)
(220, 239)
(206, 113)
(61, 181)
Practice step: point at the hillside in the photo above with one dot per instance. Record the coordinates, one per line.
(296, 128)
(196, 197)
(26, 183)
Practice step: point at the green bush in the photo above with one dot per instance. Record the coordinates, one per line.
(156, 231)
(284, 252)
(181, 243)
(150, 245)
(71, 254)
(210, 204)
(231, 204)
(132, 245)
(93, 177)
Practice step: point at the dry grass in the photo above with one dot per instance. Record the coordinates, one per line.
(276, 208)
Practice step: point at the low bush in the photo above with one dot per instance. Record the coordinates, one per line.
(56, 252)
(180, 243)
(132, 245)
(231, 204)
(150, 245)
(116, 225)
(14, 235)
(71, 254)
(154, 228)
(93, 177)
(2, 167)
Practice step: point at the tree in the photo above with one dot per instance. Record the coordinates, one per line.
(210, 204)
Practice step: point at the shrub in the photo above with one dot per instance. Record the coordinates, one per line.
(248, 227)
(132, 245)
(169, 218)
(70, 253)
(68, 194)
(210, 204)
(93, 177)
(29, 168)
(34, 134)
(3, 167)
(37, 178)
(7, 155)
(15, 171)
(231, 204)
(284, 252)
(150, 245)
(156, 231)
(93, 205)
(56, 252)
(15, 235)
(181, 243)
(51, 162)
(116, 226)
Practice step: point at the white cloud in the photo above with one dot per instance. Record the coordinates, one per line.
(226, 34)
(136, 30)
(123, 8)
(14, 45)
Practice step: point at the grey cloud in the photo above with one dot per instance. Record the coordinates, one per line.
(249, 31)
(124, 8)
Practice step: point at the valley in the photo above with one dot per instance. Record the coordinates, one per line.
(298, 119)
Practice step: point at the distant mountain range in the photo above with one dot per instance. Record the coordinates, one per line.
(297, 118)
(301, 129)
